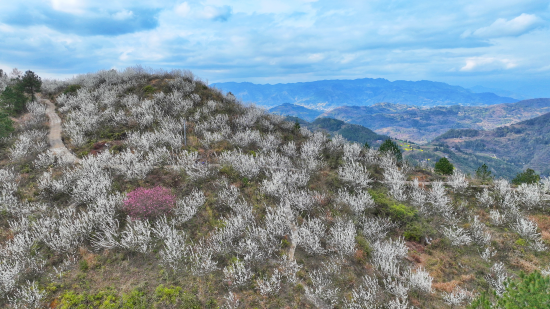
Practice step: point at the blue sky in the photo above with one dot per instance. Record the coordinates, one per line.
(493, 43)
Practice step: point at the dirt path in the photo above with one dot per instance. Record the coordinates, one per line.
(56, 143)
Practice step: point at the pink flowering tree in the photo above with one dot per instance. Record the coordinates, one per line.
(143, 203)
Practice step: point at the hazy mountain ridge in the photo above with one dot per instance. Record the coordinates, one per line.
(293, 110)
(500, 92)
(360, 92)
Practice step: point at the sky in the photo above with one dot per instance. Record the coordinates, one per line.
(503, 44)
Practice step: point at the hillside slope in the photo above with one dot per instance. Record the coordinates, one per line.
(525, 144)
(183, 197)
(360, 92)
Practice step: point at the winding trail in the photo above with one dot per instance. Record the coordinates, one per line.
(56, 143)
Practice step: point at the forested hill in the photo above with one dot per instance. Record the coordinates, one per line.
(351, 132)
(360, 92)
(525, 144)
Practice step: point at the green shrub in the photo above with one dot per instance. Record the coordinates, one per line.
(403, 214)
(190, 301)
(83, 265)
(72, 89)
(118, 148)
(415, 231)
(167, 294)
(381, 199)
(135, 300)
(149, 89)
(285, 243)
(164, 297)
(212, 303)
(363, 244)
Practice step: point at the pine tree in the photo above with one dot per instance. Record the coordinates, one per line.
(13, 99)
(483, 173)
(391, 146)
(444, 166)
(31, 83)
(6, 124)
(296, 126)
(529, 176)
(529, 291)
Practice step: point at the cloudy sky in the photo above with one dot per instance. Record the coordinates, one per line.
(493, 43)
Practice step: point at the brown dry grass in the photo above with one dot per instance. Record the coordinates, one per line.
(524, 265)
(445, 286)
(88, 256)
(543, 222)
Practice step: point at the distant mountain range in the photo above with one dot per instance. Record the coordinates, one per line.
(421, 125)
(328, 94)
(500, 92)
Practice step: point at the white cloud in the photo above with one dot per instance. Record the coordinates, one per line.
(7, 28)
(217, 13)
(316, 57)
(125, 55)
(484, 64)
(513, 27)
(69, 6)
(123, 15)
(183, 9)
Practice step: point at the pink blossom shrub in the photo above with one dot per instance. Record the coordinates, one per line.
(143, 203)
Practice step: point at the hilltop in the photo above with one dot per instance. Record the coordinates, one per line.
(167, 193)
(328, 94)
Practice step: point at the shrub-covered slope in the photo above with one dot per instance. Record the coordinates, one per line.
(184, 198)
